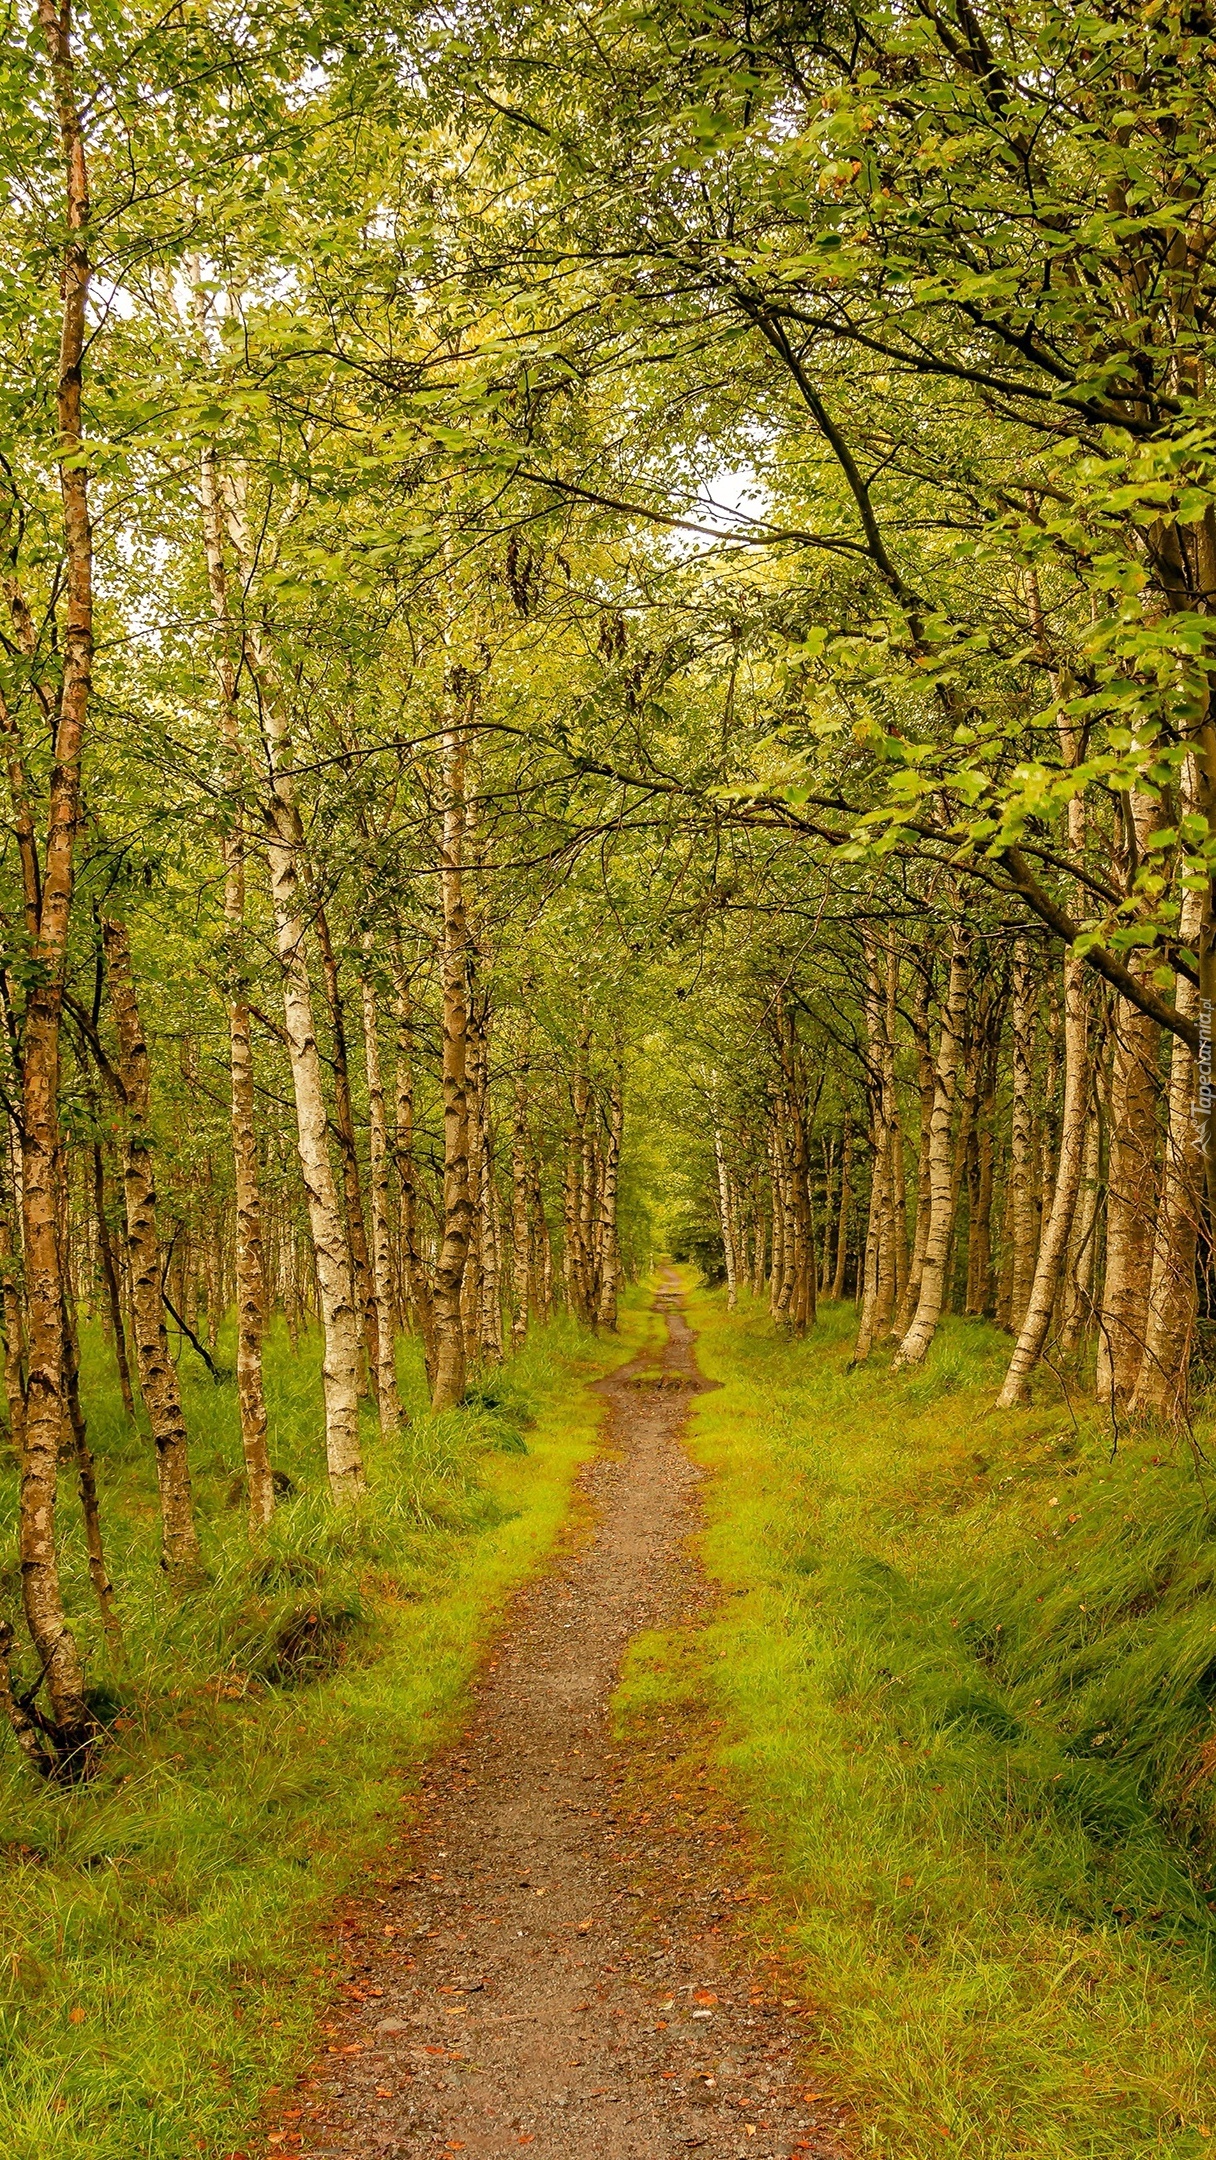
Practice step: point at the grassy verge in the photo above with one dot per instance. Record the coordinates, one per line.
(966, 1678)
(163, 1957)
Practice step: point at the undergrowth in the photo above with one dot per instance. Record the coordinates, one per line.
(967, 1676)
(164, 1956)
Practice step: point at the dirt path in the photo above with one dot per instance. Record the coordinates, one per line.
(558, 1972)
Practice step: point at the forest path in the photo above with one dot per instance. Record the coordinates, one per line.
(558, 1971)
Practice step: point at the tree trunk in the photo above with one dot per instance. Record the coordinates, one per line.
(449, 1384)
(489, 1311)
(99, 1574)
(880, 1275)
(1021, 1162)
(475, 1062)
(113, 1289)
(610, 1259)
(1161, 1387)
(789, 1232)
(842, 1221)
(521, 1247)
(387, 1393)
(941, 1162)
(339, 1321)
(588, 1201)
(979, 1218)
(417, 1286)
(724, 1218)
(285, 851)
(362, 1283)
(1077, 1293)
(968, 1098)
(1131, 1181)
(900, 1256)
(14, 1337)
(570, 1220)
(545, 1243)
(871, 1283)
(802, 1308)
(925, 1078)
(777, 1264)
(831, 1168)
(760, 1244)
(157, 1373)
(1070, 1163)
(46, 1402)
(578, 1198)
(251, 1301)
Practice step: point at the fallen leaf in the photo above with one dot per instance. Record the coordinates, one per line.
(702, 1995)
(76, 2016)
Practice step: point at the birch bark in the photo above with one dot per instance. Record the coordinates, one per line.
(285, 851)
(941, 1161)
(1162, 1384)
(521, 1267)
(46, 1400)
(1021, 1160)
(610, 1261)
(1053, 1247)
(449, 1383)
(157, 1372)
(387, 1392)
(251, 1301)
(418, 1289)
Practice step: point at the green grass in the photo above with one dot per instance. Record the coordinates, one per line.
(965, 1684)
(163, 1954)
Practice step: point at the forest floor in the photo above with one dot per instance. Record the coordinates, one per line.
(569, 1953)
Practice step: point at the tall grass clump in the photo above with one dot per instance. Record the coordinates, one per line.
(163, 1953)
(968, 1681)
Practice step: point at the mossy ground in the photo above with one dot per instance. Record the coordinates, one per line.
(163, 1927)
(965, 1684)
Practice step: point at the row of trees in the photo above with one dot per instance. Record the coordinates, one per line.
(529, 538)
(986, 1132)
(415, 1184)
